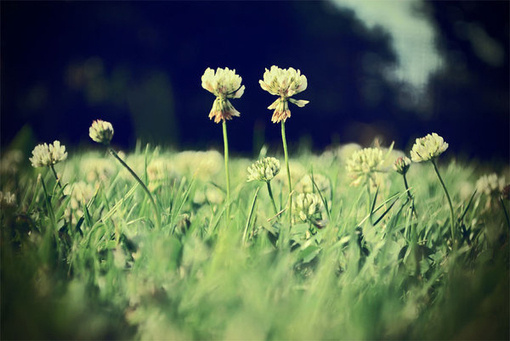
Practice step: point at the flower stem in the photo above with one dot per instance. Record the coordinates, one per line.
(56, 176)
(504, 211)
(154, 206)
(271, 196)
(413, 210)
(227, 174)
(452, 216)
(285, 151)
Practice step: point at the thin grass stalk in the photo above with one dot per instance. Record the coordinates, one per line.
(154, 206)
(409, 195)
(227, 173)
(452, 215)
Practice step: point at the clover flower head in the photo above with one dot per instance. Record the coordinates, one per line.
(306, 205)
(101, 131)
(264, 169)
(45, 155)
(224, 84)
(7, 199)
(428, 148)
(322, 183)
(491, 185)
(284, 83)
(402, 165)
(363, 165)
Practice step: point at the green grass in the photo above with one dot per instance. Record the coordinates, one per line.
(95, 267)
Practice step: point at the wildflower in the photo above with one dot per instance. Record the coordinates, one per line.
(363, 165)
(224, 84)
(264, 170)
(491, 185)
(7, 199)
(284, 83)
(402, 165)
(307, 205)
(45, 155)
(101, 131)
(428, 147)
(322, 183)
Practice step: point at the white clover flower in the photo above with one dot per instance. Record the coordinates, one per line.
(101, 131)
(284, 83)
(224, 84)
(490, 185)
(402, 165)
(305, 185)
(45, 155)
(264, 170)
(7, 199)
(306, 205)
(428, 148)
(363, 165)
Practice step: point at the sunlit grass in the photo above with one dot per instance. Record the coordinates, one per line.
(86, 261)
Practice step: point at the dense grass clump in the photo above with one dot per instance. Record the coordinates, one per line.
(84, 256)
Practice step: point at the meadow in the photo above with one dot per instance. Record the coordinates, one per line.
(353, 243)
(87, 261)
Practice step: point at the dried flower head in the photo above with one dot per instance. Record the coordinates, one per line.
(363, 165)
(101, 131)
(306, 205)
(224, 84)
(284, 83)
(428, 147)
(45, 155)
(402, 165)
(264, 170)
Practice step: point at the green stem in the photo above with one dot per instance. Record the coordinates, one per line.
(285, 151)
(227, 174)
(413, 210)
(154, 206)
(271, 196)
(56, 176)
(452, 216)
(369, 203)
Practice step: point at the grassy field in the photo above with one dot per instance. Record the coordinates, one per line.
(85, 258)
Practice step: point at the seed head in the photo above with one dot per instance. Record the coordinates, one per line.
(45, 155)
(101, 131)
(428, 148)
(224, 84)
(284, 83)
(264, 170)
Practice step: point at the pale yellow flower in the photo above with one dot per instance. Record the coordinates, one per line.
(284, 83)
(264, 169)
(101, 131)
(364, 164)
(45, 155)
(306, 205)
(490, 185)
(428, 147)
(224, 84)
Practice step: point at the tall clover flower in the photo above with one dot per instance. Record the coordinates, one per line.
(429, 148)
(364, 164)
(284, 83)
(102, 132)
(224, 84)
(265, 170)
(47, 155)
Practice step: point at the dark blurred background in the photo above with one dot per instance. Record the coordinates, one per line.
(395, 70)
